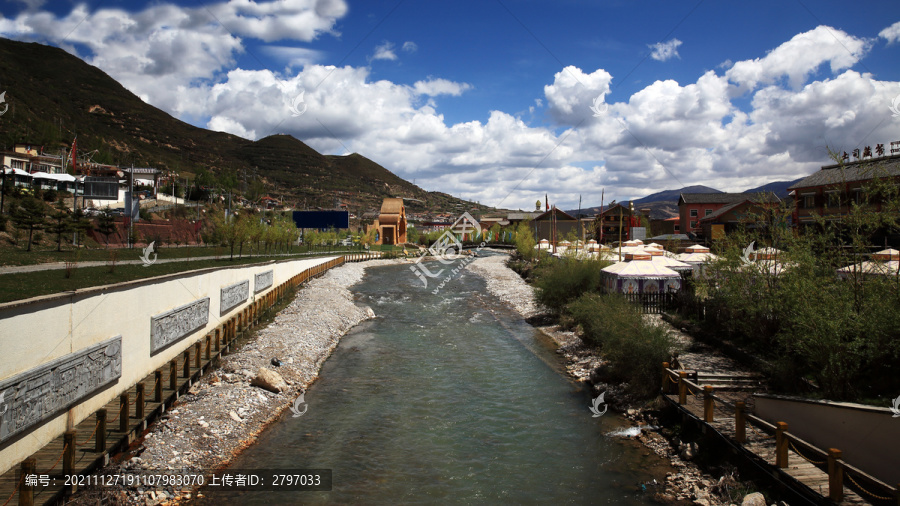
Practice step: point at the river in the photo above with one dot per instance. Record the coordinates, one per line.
(447, 398)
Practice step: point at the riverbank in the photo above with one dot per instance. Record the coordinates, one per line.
(687, 484)
(223, 414)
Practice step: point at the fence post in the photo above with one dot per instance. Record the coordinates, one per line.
(100, 441)
(187, 363)
(26, 492)
(69, 453)
(781, 445)
(157, 386)
(173, 374)
(665, 378)
(123, 412)
(835, 475)
(208, 347)
(197, 355)
(682, 387)
(740, 422)
(217, 339)
(708, 404)
(139, 402)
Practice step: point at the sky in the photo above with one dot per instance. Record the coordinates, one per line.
(505, 102)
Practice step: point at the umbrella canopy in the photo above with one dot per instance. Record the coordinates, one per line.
(640, 274)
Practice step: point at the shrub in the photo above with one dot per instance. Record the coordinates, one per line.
(634, 347)
(559, 282)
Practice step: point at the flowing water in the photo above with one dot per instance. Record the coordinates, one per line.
(447, 398)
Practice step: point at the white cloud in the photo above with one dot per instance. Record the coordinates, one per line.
(799, 57)
(570, 97)
(410, 47)
(435, 87)
(662, 51)
(294, 56)
(384, 51)
(891, 33)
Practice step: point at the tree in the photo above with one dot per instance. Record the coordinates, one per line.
(106, 223)
(80, 223)
(28, 215)
(60, 222)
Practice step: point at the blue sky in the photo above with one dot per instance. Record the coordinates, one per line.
(492, 100)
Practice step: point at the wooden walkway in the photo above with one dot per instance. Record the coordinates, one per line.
(805, 468)
(125, 421)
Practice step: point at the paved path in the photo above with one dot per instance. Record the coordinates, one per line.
(14, 269)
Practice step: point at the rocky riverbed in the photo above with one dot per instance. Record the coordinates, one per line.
(688, 484)
(224, 412)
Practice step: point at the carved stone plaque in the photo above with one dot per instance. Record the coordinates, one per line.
(171, 326)
(262, 281)
(232, 295)
(43, 392)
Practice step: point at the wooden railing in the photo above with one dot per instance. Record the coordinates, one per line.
(829, 460)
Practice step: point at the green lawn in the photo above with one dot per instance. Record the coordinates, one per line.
(32, 284)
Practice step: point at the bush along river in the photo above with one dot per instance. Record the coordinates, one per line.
(447, 398)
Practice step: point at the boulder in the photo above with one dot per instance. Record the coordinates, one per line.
(269, 380)
(369, 313)
(754, 499)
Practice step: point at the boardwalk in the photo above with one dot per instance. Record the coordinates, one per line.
(802, 466)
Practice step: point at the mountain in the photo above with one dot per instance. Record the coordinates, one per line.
(673, 195)
(54, 96)
(779, 188)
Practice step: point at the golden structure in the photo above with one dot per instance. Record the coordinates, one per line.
(391, 222)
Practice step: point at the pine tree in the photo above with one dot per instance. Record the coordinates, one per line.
(28, 215)
(106, 224)
(60, 222)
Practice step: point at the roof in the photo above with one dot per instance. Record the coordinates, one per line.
(856, 171)
(57, 177)
(671, 237)
(641, 269)
(560, 215)
(392, 206)
(522, 216)
(757, 198)
(711, 198)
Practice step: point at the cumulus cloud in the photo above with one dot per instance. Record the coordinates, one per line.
(572, 94)
(435, 87)
(384, 51)
(662, 51)
(891, 33)
(799, 57)
(410, 47)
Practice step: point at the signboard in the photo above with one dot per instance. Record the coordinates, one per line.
(101, 188)
(717, 231)
(638, 233)
(322, 220)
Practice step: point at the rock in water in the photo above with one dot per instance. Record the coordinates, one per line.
(269, 380)
(370, 313)
(754, 499)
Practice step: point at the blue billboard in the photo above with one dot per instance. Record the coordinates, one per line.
(322, 220)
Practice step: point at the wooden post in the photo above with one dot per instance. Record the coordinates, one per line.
(682, 387)
(217, 339)
(187, 364)
(665, 378)
(835, 475)
(69, 453)
(708, 404)
(100, 438)
(173, 374)
(208, 347)
(740, 422)
(197, 355)
(26, 492)
(139, 402)
(157, 386)
(781, 445)
(123, 412)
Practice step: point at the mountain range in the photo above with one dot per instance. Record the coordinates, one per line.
(664, 204)
(54, 97)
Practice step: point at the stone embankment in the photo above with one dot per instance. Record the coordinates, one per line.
(224, 412)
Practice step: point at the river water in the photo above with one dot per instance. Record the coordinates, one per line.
(447, 398)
